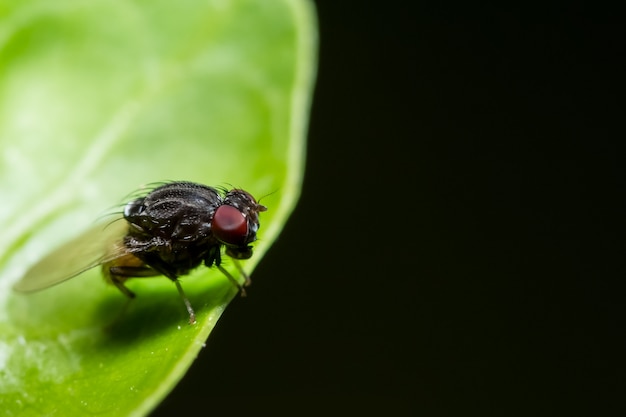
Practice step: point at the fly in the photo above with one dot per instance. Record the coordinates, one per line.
(169, 231)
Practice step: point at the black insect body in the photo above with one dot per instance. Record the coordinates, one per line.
(170, 231)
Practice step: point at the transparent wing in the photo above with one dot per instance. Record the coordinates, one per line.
(100, 244)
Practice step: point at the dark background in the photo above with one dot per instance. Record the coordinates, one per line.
(458, 248)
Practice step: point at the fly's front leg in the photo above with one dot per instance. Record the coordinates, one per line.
(232, 279)
(214, 257)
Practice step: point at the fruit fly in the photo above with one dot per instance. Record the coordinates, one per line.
(169, 231)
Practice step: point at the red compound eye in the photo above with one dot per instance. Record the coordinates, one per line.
(229, 226)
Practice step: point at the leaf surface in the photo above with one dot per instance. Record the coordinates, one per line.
(97, 99)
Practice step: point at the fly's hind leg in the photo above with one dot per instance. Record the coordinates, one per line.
(119, 274)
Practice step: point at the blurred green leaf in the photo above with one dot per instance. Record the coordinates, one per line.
(98, 98)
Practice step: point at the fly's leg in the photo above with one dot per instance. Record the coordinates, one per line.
(214, 257)
(119, 274)
(242, 272)
(232, 279)
(192, 314)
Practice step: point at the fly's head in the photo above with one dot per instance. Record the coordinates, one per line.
(236, 222)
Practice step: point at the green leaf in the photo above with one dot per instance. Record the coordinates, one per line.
(98, 98)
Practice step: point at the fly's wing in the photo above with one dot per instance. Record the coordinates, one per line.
(98, 245)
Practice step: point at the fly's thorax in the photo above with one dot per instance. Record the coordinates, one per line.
(176, 211)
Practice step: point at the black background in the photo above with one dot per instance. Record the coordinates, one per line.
(458, 247)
